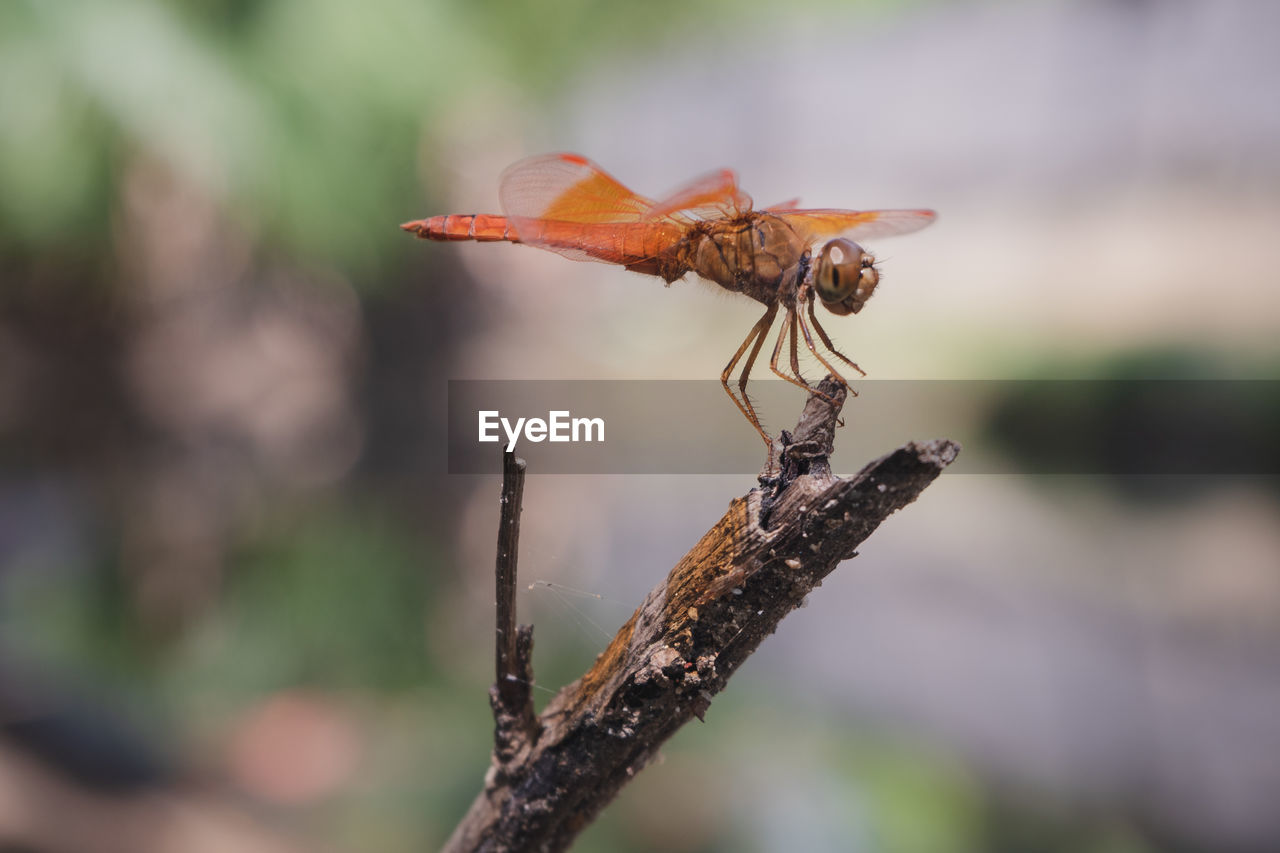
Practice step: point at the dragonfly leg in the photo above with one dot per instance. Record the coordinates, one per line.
(826, 340)
(755, 351)
(795, 349)
(808, 341)
(757, 334)
(795, 318)
(788, 326)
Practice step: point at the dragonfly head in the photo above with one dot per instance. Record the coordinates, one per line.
(845, 276)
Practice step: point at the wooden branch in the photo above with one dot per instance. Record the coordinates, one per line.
(693, 631)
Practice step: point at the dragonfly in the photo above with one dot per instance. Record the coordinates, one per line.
(566, 204)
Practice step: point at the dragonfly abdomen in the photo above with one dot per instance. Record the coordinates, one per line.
(480, 227)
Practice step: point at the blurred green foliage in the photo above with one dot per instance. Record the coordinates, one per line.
(304, 119)
(311, 583)
(336, 597)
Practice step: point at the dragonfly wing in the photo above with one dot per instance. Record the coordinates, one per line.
(713, 196)
(566, 204)
(821, 224)
(567, 188)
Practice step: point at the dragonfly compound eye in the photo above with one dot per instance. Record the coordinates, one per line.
(845, 276)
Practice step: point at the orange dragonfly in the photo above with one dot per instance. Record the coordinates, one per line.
(566, 204)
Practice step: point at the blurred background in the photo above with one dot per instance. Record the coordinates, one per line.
(242, 607)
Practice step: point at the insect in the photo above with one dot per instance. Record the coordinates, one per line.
(566, 204)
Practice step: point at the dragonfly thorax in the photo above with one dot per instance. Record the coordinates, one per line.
(758, 255)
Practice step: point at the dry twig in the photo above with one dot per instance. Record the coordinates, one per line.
(552, 774)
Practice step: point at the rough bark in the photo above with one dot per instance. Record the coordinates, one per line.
(551, 775)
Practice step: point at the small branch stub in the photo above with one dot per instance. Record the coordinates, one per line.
(511, 695)
(554, 773)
